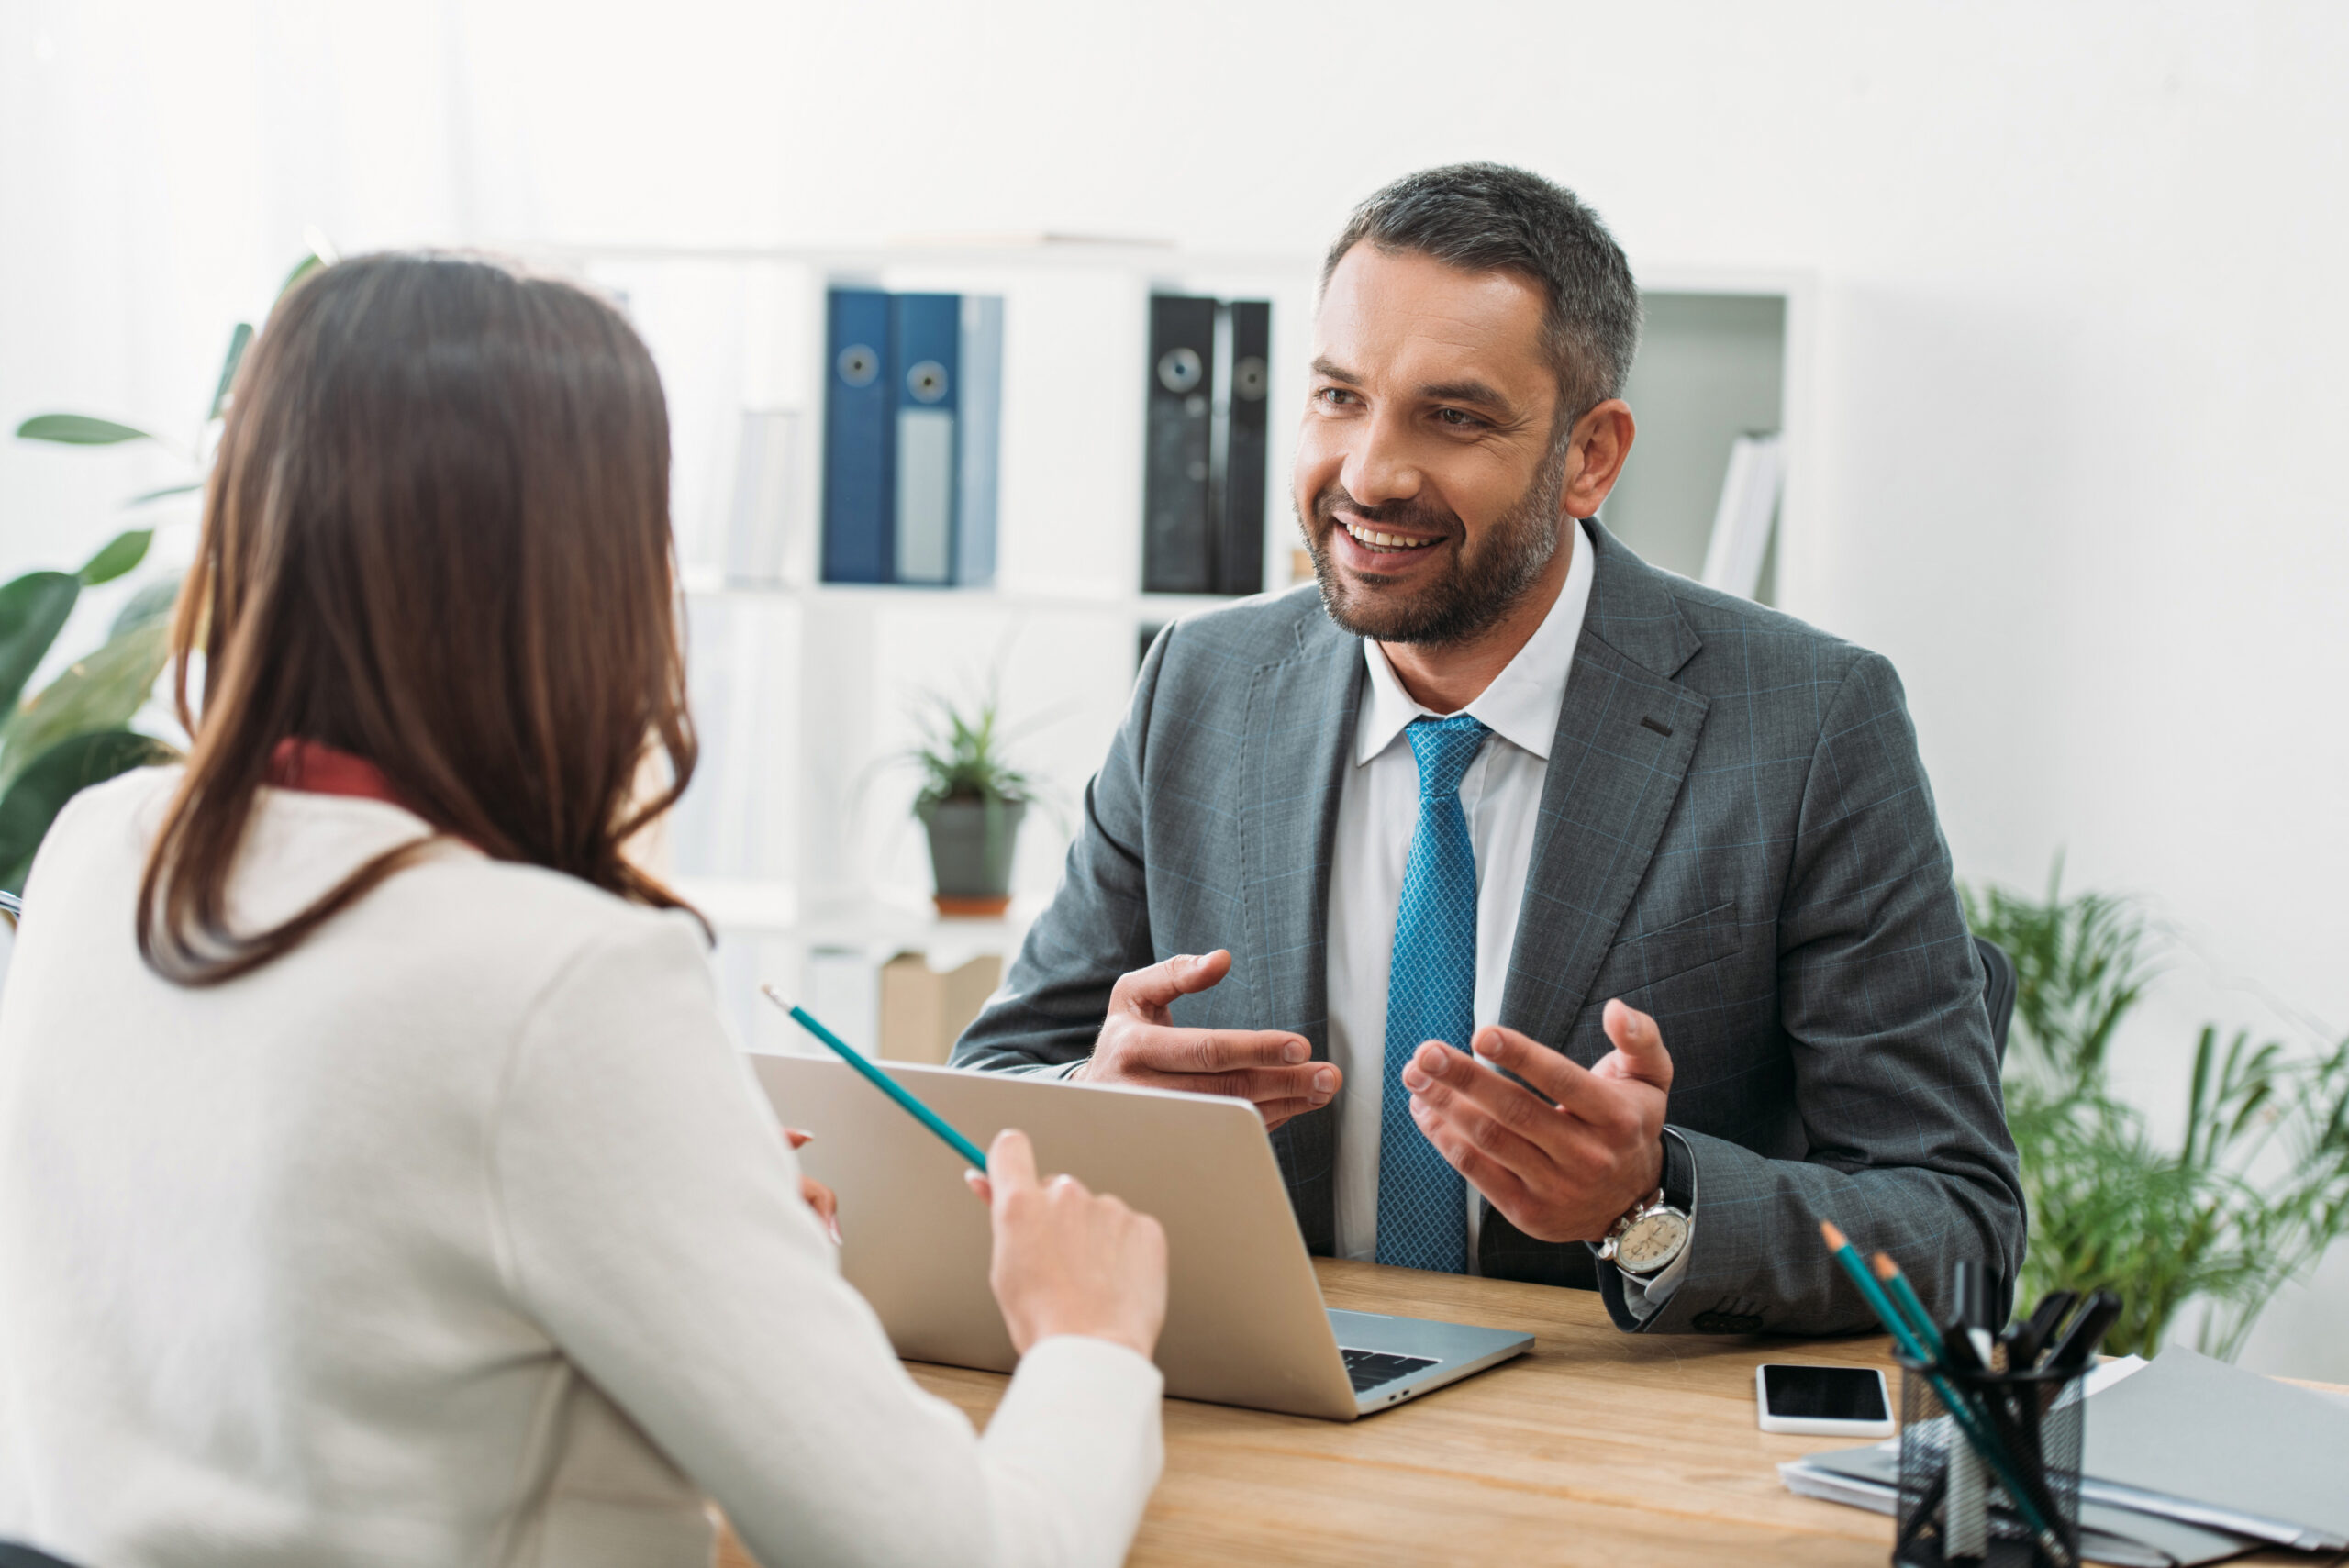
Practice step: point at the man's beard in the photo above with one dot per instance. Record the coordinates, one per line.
(1483, 584)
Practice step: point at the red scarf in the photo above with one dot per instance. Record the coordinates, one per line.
(316, 768)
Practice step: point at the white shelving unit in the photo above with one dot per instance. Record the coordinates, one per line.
(796, 839)
(1725, 353)
(826, 955)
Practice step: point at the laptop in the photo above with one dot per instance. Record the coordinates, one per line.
(1245, 1323)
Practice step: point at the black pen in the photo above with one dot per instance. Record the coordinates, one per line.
(1975, 1313)
(2088, 1330)
(2036, 1333)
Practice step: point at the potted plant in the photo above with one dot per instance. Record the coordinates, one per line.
(2251, 1198)
(972, 803)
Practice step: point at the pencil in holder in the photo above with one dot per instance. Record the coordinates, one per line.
(1960, 1474)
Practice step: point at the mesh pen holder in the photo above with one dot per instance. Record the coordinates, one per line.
(1955, 1506)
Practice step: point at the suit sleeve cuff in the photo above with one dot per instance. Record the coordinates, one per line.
(1057, 1071)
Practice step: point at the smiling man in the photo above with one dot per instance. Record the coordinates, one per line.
(1566, 921)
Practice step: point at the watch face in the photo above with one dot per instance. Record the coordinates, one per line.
(1653, 1241)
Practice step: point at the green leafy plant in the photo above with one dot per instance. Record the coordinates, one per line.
(75, 731)
(2251, 1195)
(961, 754)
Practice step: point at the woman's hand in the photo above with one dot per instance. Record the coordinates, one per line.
(817, 1195)
(1066, 1262)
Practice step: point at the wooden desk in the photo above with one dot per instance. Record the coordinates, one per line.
(1597, 1447)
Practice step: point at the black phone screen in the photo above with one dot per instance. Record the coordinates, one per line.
(1824, 1393)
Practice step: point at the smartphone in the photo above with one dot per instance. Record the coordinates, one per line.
(1822, 1401)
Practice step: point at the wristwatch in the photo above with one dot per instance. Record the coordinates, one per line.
(1651, 1234)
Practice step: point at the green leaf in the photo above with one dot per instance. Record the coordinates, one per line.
(146, 496)
(33, 610)
(152, 602)
(103, 691)
(239, 341)
(79, 430)
(122, 552)
(65, 770)
(310, 263)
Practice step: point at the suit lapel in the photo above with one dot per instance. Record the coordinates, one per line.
(1626, 732)
(1300, 721)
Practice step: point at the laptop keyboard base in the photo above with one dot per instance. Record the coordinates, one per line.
(1369, 1369)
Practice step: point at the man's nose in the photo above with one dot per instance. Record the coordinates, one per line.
(1380, 467)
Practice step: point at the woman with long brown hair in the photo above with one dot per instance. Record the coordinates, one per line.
(378, 1183)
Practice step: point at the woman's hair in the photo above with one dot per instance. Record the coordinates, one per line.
(437, 537)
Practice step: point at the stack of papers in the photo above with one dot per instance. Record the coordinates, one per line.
(2189, 1461)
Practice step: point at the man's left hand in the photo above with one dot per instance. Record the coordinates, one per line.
(1564, 1162)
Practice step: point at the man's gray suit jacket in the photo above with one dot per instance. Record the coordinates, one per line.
(1736, 835)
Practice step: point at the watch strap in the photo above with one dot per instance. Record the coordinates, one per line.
(1679, 1172)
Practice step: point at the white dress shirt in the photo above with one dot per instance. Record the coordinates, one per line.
(1378, 810)
(459, 1234)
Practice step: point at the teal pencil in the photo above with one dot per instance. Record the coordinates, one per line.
(882, 1081)
(1960, 1411)
(1872, 1293)
(1905, 1295)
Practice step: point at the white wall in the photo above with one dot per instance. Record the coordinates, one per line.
(2076, 397)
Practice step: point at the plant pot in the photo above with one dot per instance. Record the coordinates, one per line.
(971, 843)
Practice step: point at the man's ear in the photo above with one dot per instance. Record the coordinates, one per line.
(1594, 456)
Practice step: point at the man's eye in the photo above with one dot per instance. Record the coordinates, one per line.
(1459, 419)
(1334, 394)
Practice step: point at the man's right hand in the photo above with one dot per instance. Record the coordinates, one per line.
(1139, 1045)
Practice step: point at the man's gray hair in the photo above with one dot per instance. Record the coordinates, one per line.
(1484, 217)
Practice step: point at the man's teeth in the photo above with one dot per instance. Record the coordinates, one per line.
(1386, 542)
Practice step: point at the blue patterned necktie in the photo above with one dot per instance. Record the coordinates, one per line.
(1430, 995)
